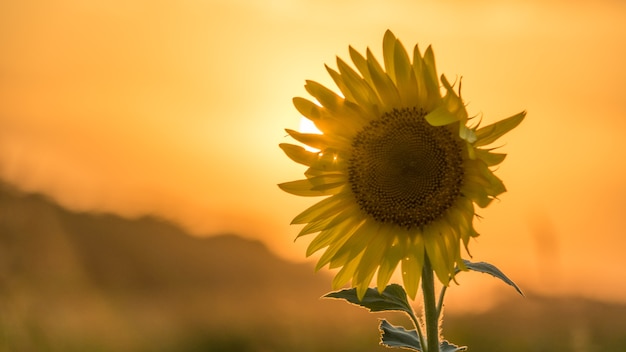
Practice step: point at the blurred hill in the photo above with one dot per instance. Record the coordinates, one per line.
(77, 282)
(98, 282)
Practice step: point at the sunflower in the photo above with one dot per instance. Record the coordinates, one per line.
(399, 166)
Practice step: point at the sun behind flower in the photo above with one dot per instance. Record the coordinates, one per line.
(401, 169)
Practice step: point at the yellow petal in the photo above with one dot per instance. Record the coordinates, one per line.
(299, 154)
(372, 256)
(346, 273)
(315, 140)
(491, 159)
(389, 44)
(327, 161)
(453, 102)
(361, 91)
(491, 133)
(405, 76)
(323, 95)
(441, 117)
(385, 87)
(322, 182)
(344, 231)
(439, 258)
(420, 80)
(308, 109)
(322, 208)
(430, 69)
(467, 134)
(336, 76)
(301, 188)
(325, 238)
(357, 242)
(389, 261)
(412, 264)
(362, 284)
(361, 65)
(315, 226)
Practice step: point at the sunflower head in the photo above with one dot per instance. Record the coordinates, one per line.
(399, 167)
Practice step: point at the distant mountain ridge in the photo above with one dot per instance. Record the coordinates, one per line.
(134, 283)
(99, 282)
(120, 253)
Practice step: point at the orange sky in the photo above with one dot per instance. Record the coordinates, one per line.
(176, 109)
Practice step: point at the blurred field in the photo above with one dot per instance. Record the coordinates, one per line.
(97, 282)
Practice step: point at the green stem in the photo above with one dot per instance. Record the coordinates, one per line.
(430, 308)
(417, 328)
(440, 303)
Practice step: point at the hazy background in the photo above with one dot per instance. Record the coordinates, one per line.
(176, 109)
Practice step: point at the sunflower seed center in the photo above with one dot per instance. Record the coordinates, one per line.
(404, 171)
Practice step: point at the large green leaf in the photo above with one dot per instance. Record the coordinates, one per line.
(491, 269)
(397, 336)
(393, 298)
(446, 346)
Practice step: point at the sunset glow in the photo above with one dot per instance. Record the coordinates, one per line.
(177, 109)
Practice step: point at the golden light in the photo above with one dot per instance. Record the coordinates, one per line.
(307, 126)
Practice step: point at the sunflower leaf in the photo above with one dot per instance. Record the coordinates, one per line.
(393, 298)
(397, 336)
(446, 346)
(491, 269)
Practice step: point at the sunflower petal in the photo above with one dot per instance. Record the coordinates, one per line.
(323, 95)
(439, 258)
(467, 134)
(308, 109)
(374, 251)
(315, 226)
(320, 181)
(430, 68)
(478, 195)
(491, 159)
(299, 154)
(322, 208)
(359, 240)
(412, 264)
(359, 89)
(325, 121)
(327, 237)
(401, 63)
(441, 116)
(315, 140)
(349, 227)
(389, 45)
(390, 259)
(453, 102)
(348, 116)
(405, 76)
(491, 133)
(322, 185)
(361, 64)
(420, 81)
(336, 76)
(346, 273)
(362, 284)
(385, 87)
(301, 188)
